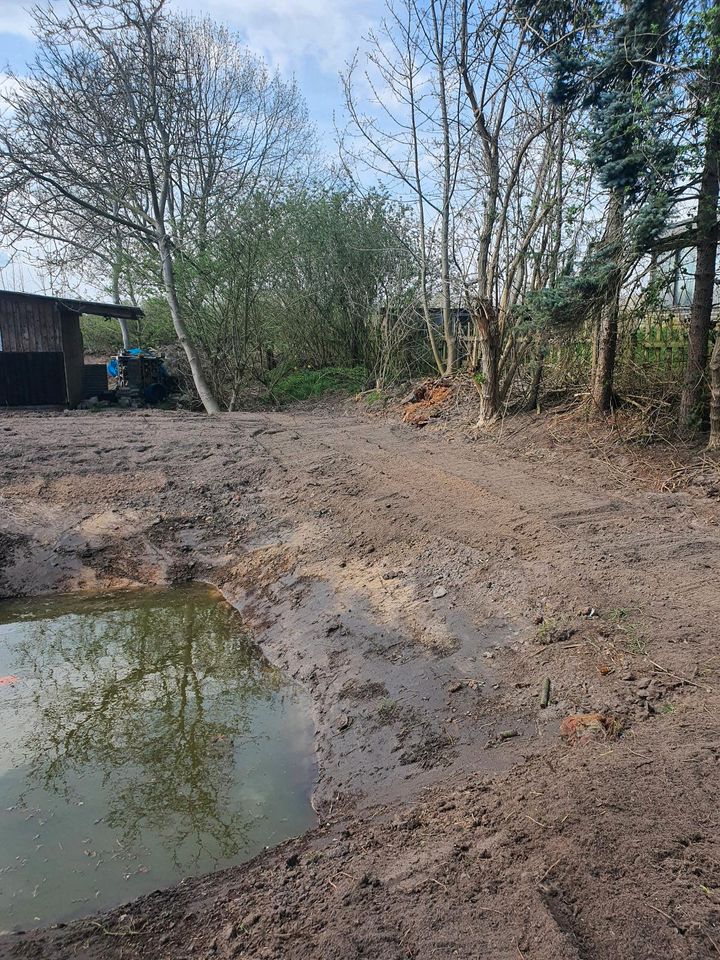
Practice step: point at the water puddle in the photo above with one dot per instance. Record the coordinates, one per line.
(143, 738)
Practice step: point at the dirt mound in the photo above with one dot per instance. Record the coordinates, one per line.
(427, 401)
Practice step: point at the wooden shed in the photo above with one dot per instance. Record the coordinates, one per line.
(41, 347)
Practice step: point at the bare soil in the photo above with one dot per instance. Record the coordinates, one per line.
(423, 584)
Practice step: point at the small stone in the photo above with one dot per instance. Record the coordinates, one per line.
(413, 822)
(643, 683)
(439, 592)
(369, 880)
(455, 687)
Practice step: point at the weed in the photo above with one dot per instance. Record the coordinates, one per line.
(305, 384)
(553, 630)
(546, 629)
(387, 711)
(373, 397)
(617, 615)
(635, 641)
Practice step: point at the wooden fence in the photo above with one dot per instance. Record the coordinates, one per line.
(651, 353)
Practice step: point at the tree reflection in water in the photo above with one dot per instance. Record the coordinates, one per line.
(155, 697)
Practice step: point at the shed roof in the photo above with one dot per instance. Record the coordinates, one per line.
(109, 310)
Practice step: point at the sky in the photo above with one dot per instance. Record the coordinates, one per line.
(311, 40)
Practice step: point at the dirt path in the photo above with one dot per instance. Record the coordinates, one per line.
(423, 588)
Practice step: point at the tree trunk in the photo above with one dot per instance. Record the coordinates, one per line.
(602, 386)
(117, 266)
(204, 392)
(707, 245)
(714, 442)
(488, 385)
(448, 331)
(534, 398)
(122, 323)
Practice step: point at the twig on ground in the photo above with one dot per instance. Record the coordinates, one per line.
(692, 683)
(115, 933)
(667, 917)
(551, 867)
(545, 826)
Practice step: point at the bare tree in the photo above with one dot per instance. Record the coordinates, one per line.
(459, 118)
(516, 150)
(136, 123)
(407, 133)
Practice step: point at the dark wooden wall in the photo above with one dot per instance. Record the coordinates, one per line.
(31, 325)
(27, 324)
(72, 345)
(95, 379)
(32, 379)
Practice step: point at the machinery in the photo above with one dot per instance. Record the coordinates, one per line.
(139, 373)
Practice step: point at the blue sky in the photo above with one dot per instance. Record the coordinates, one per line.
(311, 39)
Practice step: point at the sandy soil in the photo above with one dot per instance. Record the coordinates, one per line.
(423, 585)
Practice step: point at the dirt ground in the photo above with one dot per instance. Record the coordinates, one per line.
(424, 584)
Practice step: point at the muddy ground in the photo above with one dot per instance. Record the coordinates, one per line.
(423, 584)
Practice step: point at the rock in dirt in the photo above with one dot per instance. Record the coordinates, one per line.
(554, 634)
(412, 822)
(439, 592)
(508, 734)
(344, 722)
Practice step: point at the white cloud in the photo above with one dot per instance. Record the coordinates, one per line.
(14, 17)
(8, 88)
(8, 85)
(288, 31)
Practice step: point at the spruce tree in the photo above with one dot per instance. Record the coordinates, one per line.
(609, 63)
(706, 94)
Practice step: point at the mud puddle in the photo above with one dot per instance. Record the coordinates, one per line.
(143, 739)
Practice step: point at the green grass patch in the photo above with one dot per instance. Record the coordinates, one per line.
(306, 384)
(374, 397)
